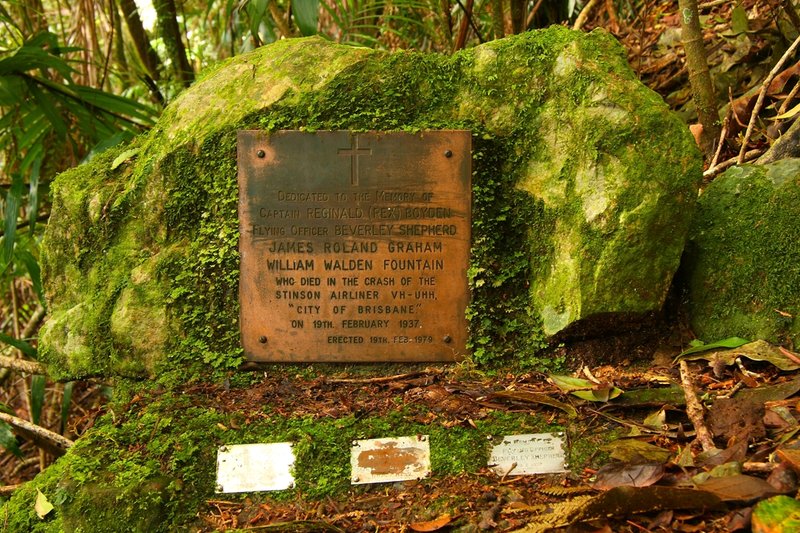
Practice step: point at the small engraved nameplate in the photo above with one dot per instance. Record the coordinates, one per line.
(389, 460)
(255, 467)
(521, 455)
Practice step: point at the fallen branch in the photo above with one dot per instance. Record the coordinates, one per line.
(762, 94)
(41, 437)
(298, 525)
(383, 379)
(694, 409)
(21, 365)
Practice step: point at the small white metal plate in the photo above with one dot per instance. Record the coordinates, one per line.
(255, 467)
(388, 460)
(534, 453)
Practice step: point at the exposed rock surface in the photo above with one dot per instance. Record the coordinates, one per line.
(743, 258)
(584, 185)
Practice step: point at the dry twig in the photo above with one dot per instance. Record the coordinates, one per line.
(749, 156)
(8, 490)
(723, 134)
(761, 95)
(694, 409)
(384, 379)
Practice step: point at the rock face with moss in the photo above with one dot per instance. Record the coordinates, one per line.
(583, 188)
(743, 259)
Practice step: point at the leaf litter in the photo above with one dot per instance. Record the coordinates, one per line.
(655, 474)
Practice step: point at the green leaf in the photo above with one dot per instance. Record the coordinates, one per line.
(602, 393)
(34, 271)
(48, 108)
(42, 506)
(33, 195)
(739, 22)
(11, 90)
(585, 389)
(306, 15)
(569, 384)
(759, 350)
(65, 401)
(537, 397)
(13, 200)
(730, 342)
(22, 346)
(38, 383)
(779, 514)
(656, 420)
(789, 114)
(123, 157)
(8, 440)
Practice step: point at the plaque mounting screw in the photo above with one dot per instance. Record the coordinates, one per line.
(261, 154)
(262, 339)
(447, 339)
(448, 153)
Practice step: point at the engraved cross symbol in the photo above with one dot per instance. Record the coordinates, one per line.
(354, 152)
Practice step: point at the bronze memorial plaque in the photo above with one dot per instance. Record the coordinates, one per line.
(354, 246)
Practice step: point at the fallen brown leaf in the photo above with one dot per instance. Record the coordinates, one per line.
(432, 525)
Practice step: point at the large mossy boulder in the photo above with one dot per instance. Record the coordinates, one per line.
(742, 262)
(584, 184)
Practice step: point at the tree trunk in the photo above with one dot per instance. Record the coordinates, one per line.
(518, 15)
(167, 20)
(119, 41)
(498, 21)
(141, 42)
(463, 29)
(699, 76)
(448, 21)
(280, 19)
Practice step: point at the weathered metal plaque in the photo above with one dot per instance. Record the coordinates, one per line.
(389, 460)
(354, 246)
(536, 453)
(255, 467)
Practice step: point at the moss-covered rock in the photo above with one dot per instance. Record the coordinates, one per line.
(583, 186)
(742, 262)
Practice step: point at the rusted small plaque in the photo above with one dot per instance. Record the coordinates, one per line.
(535, 453)
(255, 467)
(390, 460)
(354, 246)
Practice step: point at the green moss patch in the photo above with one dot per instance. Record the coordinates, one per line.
(583, 183)
(149, 463)
(742, 264)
